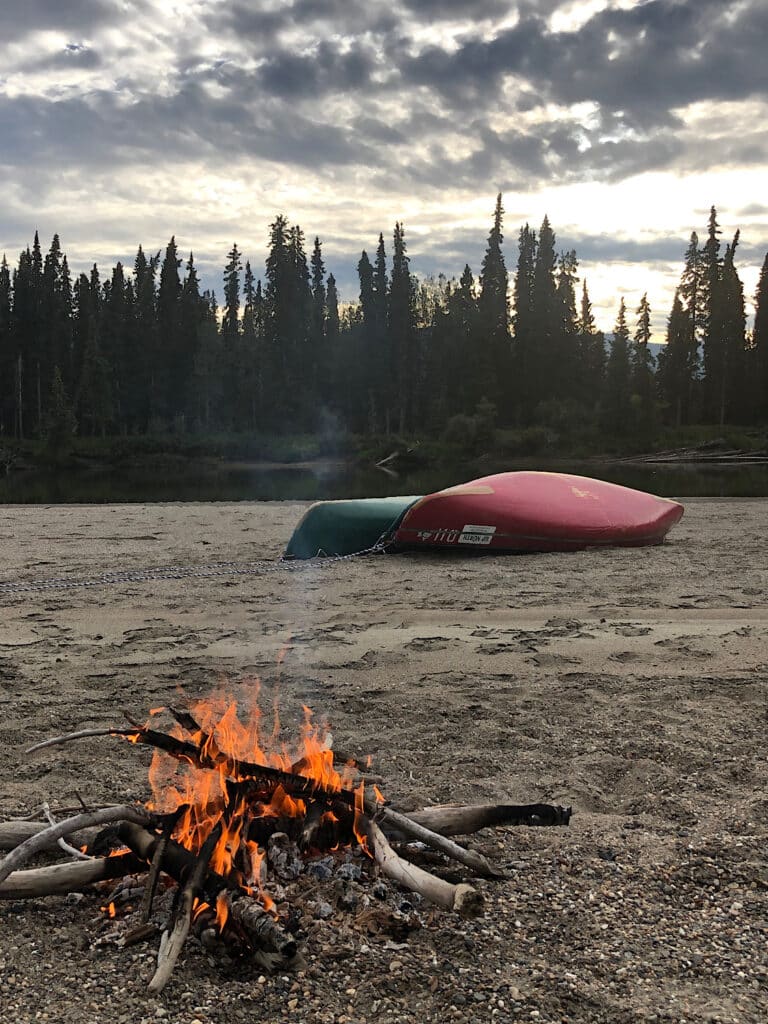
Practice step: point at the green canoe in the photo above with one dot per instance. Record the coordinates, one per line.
(346, 527)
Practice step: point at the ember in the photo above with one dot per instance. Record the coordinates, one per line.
(236, 816)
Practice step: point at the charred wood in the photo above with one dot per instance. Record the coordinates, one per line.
(178, 862)
(173, 938)
(449, 820)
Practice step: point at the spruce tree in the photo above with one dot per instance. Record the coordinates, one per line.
(546, 316)
(380, 359)
(318, 354)
(642, 373)
(250, 404)
(524, 347)
(733, 403)
(493, 307)
(146, 402)
(332, 300)
(367, 297)
(56, 316)
(173, 355)
(713, 340)
(616, 392)
(7, 361)
(760, 343)
(402, 331)
(37, 356)
(192, 315)
(230, 338)
(112, 353)
(60, 423)
(301, 393)
(692, 295)
(278, 320)
(380, 290)
(674, 375)
(464, 389)
(365, 354)
(565, 368)
(591, 355)
(207, 379)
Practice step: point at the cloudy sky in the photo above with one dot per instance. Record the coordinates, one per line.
(126, 121)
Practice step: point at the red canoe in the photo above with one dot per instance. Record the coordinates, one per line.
(531, 511)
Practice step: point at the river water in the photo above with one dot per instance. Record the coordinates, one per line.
(208, 481)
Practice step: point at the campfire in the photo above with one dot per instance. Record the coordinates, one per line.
(244, 834)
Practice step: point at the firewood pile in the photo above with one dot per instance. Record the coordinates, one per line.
(244, 842)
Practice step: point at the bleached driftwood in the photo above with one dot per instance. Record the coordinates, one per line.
(41, 840)
(407, 825)
(64, 878)
(462, 898)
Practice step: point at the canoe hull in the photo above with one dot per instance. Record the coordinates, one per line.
(338, 528)
(534, 511)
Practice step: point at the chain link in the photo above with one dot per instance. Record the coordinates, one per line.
(180, 572)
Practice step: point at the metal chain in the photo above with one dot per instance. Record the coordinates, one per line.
(179, 572)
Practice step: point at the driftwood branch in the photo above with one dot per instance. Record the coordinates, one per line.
(61, 841)
(13, 833)
(450, 820)
(21, 854)
(69, 737)
(414, 830)
(72, 877)
(462, 898)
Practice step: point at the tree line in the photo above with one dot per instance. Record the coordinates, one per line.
(148, 351)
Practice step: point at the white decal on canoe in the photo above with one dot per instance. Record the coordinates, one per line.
(477, 534)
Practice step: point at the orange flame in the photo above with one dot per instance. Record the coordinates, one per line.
(224, 739)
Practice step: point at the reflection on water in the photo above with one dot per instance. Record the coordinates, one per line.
(206, 482)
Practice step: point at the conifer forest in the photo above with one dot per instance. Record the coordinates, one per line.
(142, 350)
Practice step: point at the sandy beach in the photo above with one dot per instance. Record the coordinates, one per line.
(631, 684)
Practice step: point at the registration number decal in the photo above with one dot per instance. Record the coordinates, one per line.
(476, 534)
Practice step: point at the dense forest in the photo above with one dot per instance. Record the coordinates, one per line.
(146, 351)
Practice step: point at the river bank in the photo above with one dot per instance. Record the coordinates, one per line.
(631, 684)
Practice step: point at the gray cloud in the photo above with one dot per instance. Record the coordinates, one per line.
(349, 100)
(76, 16)
(457, 9)
(643, 62)
(73, 55)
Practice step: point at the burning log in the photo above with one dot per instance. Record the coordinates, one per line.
(217, 891)
(175, 935)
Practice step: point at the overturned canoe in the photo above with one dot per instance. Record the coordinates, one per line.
(530, 511)
(523, 511)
